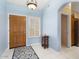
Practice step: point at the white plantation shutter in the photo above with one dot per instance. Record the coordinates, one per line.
(34, 27)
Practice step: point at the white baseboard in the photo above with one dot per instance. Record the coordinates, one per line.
(36, 44)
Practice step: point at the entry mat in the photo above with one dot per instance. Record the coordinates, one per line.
(24, 53)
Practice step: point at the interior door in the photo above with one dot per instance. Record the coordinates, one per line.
(72, 29)
(17, 31)
(64, 30)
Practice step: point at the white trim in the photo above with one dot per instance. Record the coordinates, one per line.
(69, 28)
(59, 24)
(8, 24)
(36, 44)
(64, 13)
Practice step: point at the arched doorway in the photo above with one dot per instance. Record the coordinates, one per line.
(70, 39)
(64, 24)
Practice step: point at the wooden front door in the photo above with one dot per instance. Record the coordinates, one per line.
(64, 30)
(17, 31)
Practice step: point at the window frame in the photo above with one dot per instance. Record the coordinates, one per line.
(38, 18)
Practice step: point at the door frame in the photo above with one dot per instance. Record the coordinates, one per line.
(8, 26)
(69, 29)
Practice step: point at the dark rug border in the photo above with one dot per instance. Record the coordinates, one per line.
(13, 53)
(27, 46)
(34, 52)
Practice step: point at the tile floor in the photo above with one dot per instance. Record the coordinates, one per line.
(65, 53)
(7, 54)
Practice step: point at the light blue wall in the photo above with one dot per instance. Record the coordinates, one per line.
(3, 26)
(12, 8)
(51, 23)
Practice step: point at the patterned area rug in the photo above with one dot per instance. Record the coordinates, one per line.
(24, 53)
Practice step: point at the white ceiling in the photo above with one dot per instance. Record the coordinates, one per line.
(75, 6)
(41, 3)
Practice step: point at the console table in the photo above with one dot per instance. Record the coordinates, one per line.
(44, 42)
